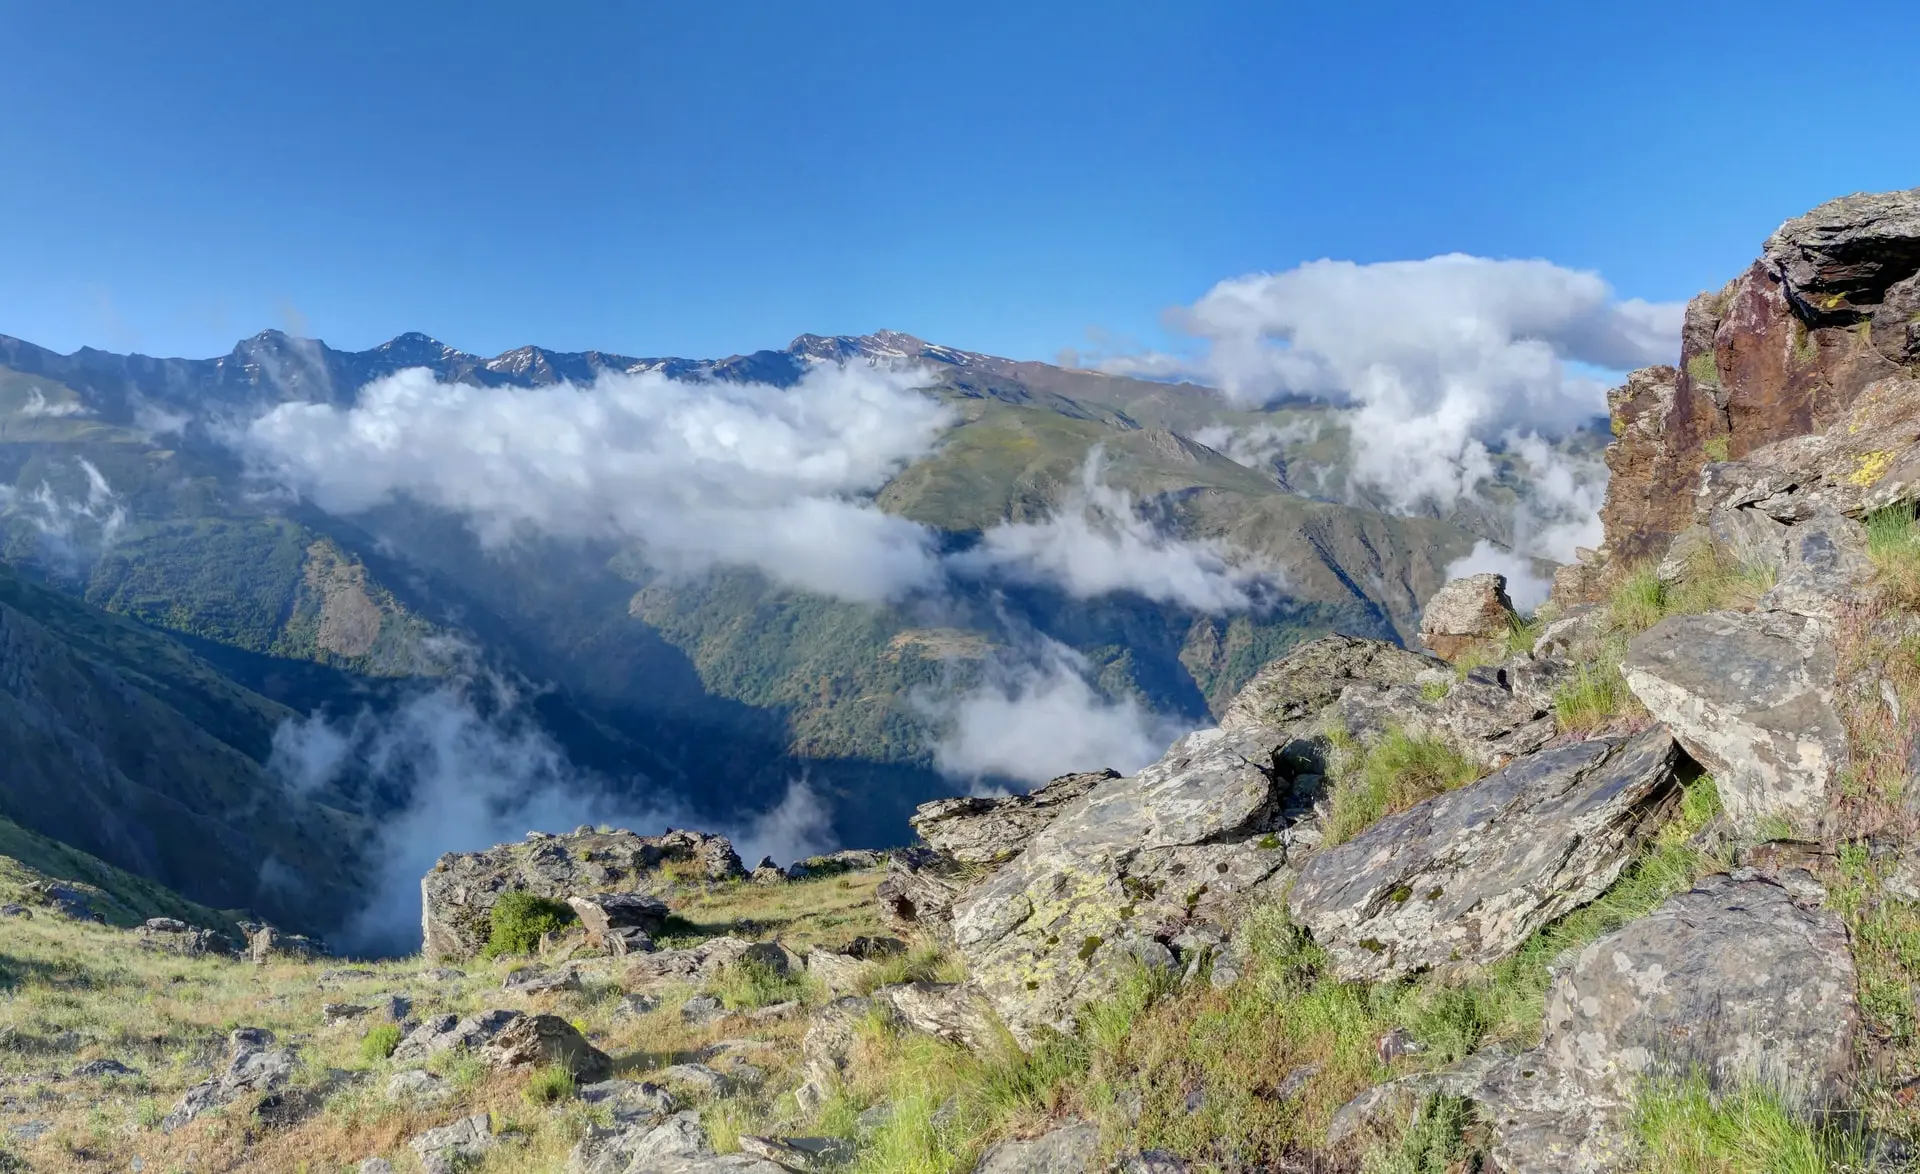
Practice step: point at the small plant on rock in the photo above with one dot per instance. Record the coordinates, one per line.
(1392, 775)
(517, 921)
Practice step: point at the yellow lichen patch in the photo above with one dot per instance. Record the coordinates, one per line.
(1871, 467)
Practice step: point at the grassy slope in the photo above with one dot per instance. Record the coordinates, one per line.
(121, 897)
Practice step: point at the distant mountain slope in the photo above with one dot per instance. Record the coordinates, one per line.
(125, 746)
(713, 693)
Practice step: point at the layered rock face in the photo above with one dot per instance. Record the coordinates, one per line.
(1464, 878)
(1785, 350)
(460, 892)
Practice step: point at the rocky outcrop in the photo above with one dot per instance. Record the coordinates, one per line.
(1493, 713)
(1783, 351)
(1470, 617)
(623, 922)
(1301, 684)
(458, 895)
(254, 1066)
(978, 830)
(1740, 980)
(705, 960)
(1168, 858)
(177, 937)
(918, 893)
(1751, 697)
(456, 1147)
(445, 1032)
(1465, 877)
(1098, 890)
(532, 1041)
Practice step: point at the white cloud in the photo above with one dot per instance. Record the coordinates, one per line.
(1037, 720)
(477, 770)
(699, 472)
(1560, 513)
(73, 529)
(38, 405)
(1100, 543)
(1436, 359)
(1258, 445)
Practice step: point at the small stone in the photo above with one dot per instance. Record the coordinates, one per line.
(418, 1086)
(376, 1166)
(698, 1077)
(100, 1069)
(633, 1006)
(702, 1010)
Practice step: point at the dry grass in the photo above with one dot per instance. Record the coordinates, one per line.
(72, 992)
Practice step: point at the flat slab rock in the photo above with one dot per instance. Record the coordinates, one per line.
(1465, 877)
(1742, 978)
(1750, 696)
(1067, 1149)
(1055, 928)
(978, 830)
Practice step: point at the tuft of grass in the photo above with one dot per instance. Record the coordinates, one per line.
(379, 1042)
(923, 962)
(517, 921)
(1435, 690)
(550, 1085)
(751, 983)
(1684, 1127)
(1712, 581)
(1893, 543)
(1594, 697)
(1715, 448)
(1434, 1143)
(1396, 772)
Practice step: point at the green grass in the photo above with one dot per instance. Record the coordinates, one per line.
(1685, 1128)
(518, 919)
(1433, 1144)
(921, 962)
(379, 1042)
(1893, 543)
(1595, 695)
(1394, 773)
(1712, 582)
(751, 983)
(550, 1085)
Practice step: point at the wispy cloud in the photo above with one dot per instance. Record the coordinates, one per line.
(1100, 542)
(1040, 716)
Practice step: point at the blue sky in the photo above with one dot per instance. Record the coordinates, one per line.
(706, 178)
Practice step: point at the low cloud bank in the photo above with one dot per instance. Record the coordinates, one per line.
(699, 472)
(1434, 364)
(1040, 717)
(1100, 542)
(476, 769)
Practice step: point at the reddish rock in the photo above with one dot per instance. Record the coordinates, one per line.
(1832, 306)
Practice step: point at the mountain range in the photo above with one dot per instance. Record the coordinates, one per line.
(181, 640)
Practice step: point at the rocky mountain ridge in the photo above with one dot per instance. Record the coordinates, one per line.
(1631, 884)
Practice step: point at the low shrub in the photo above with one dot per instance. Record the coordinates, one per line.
(379, 1042)
(751, 983)
(518, 919)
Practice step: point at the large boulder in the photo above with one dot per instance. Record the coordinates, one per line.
(979, 830)
(1740, 980)
(532, 1041)
(1300, 685)
(254, 1066)
(1140, 863)
(1070, 1148)
(460, 892)
(1751, 697)
(1103, 886)
(1470, 617)
(1465, 877)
